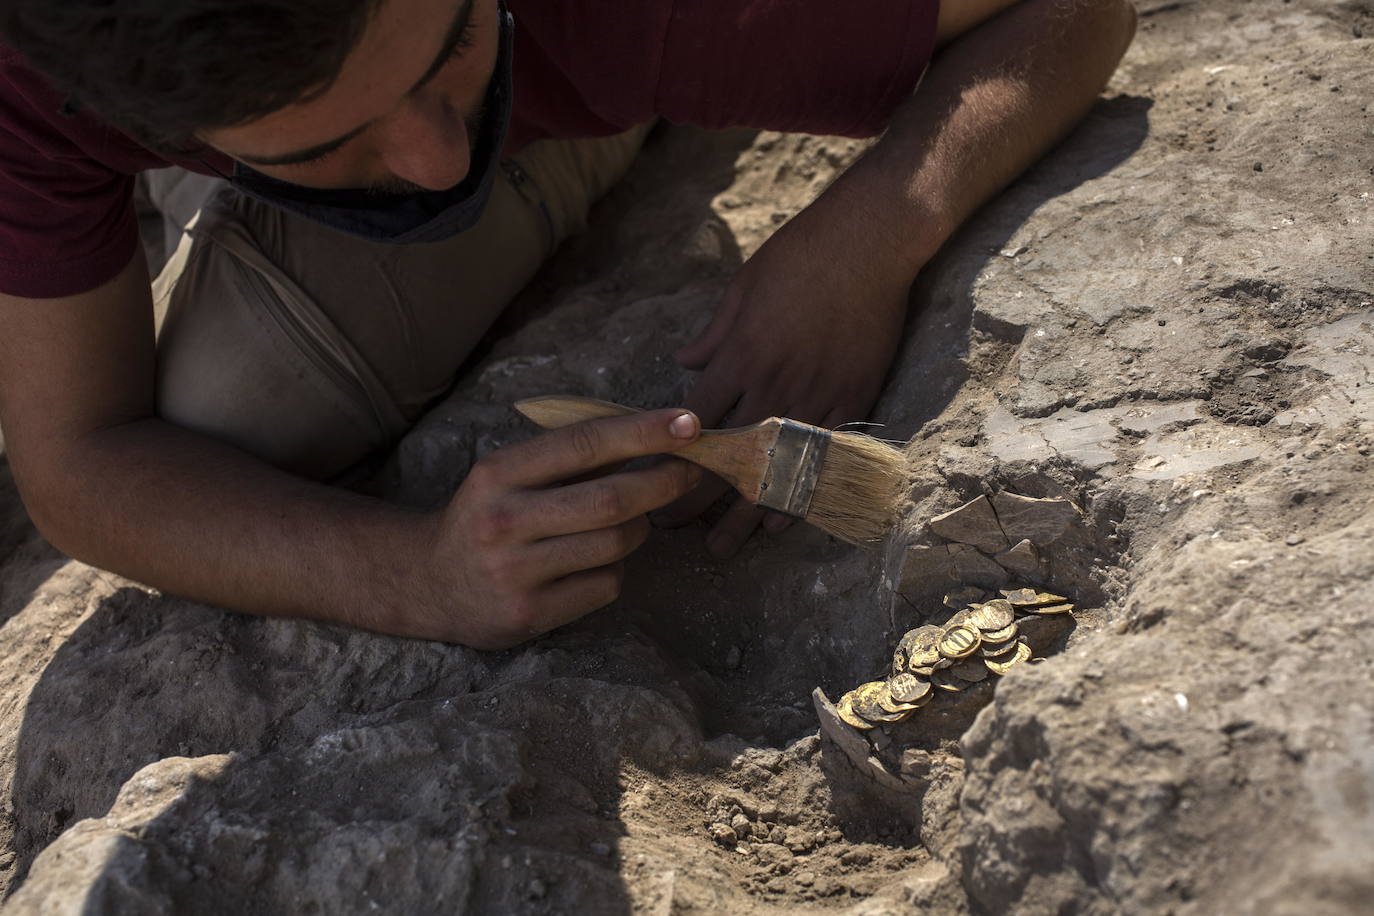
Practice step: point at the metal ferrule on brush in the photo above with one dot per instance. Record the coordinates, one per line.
(794, 466)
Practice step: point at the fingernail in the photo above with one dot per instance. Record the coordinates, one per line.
(683, 426)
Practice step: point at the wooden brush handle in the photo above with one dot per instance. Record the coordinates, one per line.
(738, 455)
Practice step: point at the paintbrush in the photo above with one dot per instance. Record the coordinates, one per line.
(847, 484)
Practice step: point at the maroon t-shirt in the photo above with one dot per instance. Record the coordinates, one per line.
(582, 69)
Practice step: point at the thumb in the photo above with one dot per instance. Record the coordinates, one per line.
(696, 354)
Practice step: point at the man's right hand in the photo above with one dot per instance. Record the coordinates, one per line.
(528, 551)
(518, 551)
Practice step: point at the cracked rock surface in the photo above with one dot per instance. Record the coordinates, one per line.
(1168, 323)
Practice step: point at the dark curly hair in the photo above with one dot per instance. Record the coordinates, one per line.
(164, 70)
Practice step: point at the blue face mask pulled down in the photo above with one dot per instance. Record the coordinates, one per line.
(413, 217)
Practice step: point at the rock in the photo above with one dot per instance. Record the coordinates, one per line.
(974, 524)
(916, 763)
(774, 855)
(723, 834)
(800, 840)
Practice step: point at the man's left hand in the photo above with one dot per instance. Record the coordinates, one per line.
(807, 329)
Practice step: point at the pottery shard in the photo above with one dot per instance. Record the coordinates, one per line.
(1040, 521)
(833, 727)
(1042, 633)
(1022, 559)
(975, 568)
(933, 570)
(925, 570)
(973, 523)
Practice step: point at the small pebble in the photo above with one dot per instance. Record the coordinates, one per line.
(722, 834)
(740, 824)
(799, 840)
(1258, 166)
(857, 857)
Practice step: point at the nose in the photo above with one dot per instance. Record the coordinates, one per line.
(425, 142)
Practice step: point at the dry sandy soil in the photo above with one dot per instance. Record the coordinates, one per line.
(1169, 321)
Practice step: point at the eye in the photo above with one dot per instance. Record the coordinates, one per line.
(316, 160)
(463, 42)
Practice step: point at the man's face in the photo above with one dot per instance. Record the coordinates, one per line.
(402, 113)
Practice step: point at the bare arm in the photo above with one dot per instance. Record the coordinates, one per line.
(810, 325)
(109, 483)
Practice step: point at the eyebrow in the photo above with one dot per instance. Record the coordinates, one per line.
(456, 30)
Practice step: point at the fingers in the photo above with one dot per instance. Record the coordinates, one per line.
(733, 529)
(696, 354)
(551, 606)
(712, 397)
(608, 501)
(580, 593)
(562, 556)
(582, 447)
(693, 504)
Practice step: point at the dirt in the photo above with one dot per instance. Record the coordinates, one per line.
(1168, 321)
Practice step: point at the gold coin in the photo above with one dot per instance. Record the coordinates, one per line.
(995, 615)
(961, 618)
(1052, 609)
(996, 637)
(998, 651)
(868, 703)
(960, 641)
(845, 710)
(919, 646)
(908, 688)
(972, 670)
(945, 680)
(890, 704)
(1023, 652)
(900, 709)
(1029, 597)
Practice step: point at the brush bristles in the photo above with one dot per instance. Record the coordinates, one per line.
(862, 483)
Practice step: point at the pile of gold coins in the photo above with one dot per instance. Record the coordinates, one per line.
(980, 639)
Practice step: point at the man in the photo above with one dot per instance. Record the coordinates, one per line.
(379, 178)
